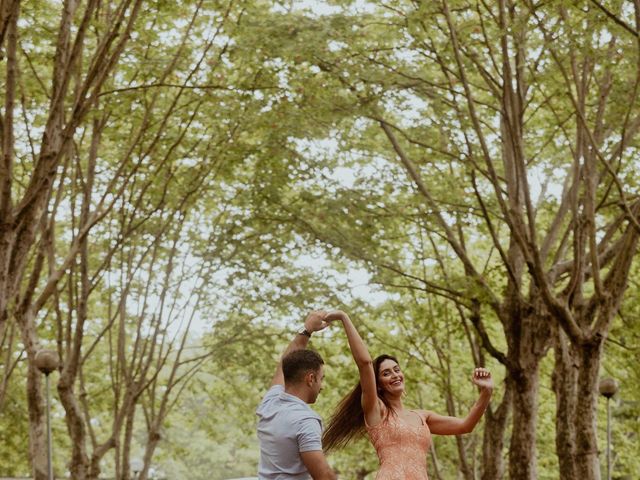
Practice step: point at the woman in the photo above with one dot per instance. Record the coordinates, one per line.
(401, 437)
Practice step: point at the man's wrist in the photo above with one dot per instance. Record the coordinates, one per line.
(305, 332)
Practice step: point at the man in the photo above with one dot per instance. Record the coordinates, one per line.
(289, 431)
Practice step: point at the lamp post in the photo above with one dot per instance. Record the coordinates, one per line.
(608, 388)
(47, 361)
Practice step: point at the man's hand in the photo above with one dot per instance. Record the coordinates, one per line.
(317, 465)
(315, 321)
(482, 378)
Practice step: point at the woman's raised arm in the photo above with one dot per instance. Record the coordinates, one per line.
(360, 353)
(445, 425)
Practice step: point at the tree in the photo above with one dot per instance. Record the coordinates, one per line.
(405, 138)
(73, 81)
(118, 164)
(498, 95)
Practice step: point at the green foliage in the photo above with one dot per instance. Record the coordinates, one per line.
(250, 135)
(14, 432)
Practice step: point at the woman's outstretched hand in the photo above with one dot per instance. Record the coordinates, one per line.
(335, 315)
(316, 321)
(482, 378)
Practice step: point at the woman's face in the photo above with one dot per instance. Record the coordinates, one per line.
(390, 377)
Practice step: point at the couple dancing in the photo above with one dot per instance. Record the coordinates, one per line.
(292, 445)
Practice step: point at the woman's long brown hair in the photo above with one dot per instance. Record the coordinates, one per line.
(347, 422)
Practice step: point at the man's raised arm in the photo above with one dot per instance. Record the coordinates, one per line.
(313, 323)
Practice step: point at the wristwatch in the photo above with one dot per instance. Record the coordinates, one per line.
(304, 331)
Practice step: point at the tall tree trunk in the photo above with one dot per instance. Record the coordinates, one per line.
(528, 341)
(36, 405)
(579, 365)
(528, 337)
(79, 462)
(495, 424)
(153, 439)
(522, 450)
(126, 444)
(587, 462)
(575, 382)
(37, 424)
(563, 382)
(8, 25)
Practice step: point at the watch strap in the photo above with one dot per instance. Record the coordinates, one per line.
(305, 332)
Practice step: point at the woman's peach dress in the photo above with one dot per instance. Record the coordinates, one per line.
(401, 447)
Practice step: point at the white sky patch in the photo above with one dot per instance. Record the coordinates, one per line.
(412, 110)
(409, 55)
(319, 8)
(170, 37)
(325, 146)
(335, 46)
(361, 287)
(358, 280)
(344, 176)
(316, 8)
(541, 183)
(374, 168)
(179, 305)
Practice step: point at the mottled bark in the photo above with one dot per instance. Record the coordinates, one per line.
(79, 462)
(587, 460)
(126, 445)
(522, 449)
(577, 369)
(493, 441)
(153, 438)
(35, 404)
(563, 382)
(575, 382)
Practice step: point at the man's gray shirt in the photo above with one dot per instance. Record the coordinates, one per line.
(286, 427)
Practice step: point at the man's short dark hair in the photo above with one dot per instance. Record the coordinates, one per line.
(297, 364)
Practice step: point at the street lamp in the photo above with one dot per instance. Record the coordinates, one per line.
(47, 361)
(608, 388)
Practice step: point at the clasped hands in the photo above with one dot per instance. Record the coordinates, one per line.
(321, 319)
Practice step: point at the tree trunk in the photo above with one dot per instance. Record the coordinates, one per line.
(495, 424)
(528, 335)
(563, 382)
(37, 424)
(37, 410)
(522, 451)
(152, 442)
(587, 462)
(79, 462)
(575, 383)
(126, 444)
